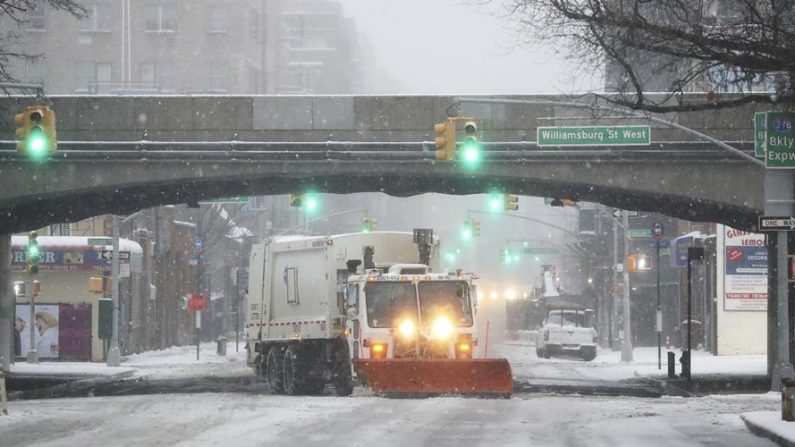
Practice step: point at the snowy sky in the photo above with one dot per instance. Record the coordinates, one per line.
(409, 38)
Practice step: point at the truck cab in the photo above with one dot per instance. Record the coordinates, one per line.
(409, 312)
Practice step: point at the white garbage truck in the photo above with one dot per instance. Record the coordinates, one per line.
(368, 306)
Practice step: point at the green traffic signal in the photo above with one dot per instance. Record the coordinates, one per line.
(36, 143)
(471, 152)
(33, 253)
(311, 203)
(495, 202)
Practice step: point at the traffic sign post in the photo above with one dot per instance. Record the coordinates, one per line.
(658, 232)
(776, 223)
(594, 136)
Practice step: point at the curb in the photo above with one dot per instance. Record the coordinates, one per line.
(765, 433)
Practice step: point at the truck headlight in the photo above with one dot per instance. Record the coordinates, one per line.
(442, 328)
(407, 329)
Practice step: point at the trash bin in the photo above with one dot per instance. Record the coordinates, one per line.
(221, 348)
(787, 400)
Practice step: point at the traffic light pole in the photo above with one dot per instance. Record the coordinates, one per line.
(114, 354)
(33, 355)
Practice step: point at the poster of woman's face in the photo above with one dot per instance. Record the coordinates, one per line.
(45, 329)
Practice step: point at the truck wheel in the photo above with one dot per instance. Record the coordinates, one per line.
(343, 380)
(539, 353)
(588, 354)
(274, 370)
(294, 373)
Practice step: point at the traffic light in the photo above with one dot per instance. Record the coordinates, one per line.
(36, 132)
(495, 202)
(445, 140)
(369, 224)
(505, 255)
(475, 225)
(33, 253)
(510, 203)
(296, 200)
(471, 153)
(311, 203)
(466, 230)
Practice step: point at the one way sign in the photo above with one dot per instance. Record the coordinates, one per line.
(776, 223)
(107, 255)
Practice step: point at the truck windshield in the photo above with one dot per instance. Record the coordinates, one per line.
(388, 301)
(445, 298)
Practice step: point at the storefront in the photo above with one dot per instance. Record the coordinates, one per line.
(66, 313)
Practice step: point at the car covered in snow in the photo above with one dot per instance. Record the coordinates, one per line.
(567, 330)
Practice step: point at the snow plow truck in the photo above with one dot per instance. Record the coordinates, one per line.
(369, 307)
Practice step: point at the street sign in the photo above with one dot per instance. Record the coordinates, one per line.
(594, 136)
(657, 231)
(197, 302)
(637, 234)
(617, 213)
(665, 243)
(776, 223)
(780, 140)
(238, 199)
(760, 134)
(107, 255)
(100, 241)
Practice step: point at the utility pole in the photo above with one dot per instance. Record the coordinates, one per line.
(614, 315)
(7, 304)
(626, 346)
(114, 355)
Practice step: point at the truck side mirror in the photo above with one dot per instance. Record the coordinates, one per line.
(352, 299)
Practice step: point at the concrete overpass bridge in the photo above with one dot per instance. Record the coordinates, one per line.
(119, 154)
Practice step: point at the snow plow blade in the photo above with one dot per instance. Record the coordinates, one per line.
(437, 376)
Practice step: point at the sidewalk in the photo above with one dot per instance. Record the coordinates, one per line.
(770, 425)
(172, 363)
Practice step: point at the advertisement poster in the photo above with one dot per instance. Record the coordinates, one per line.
(61, 331)
(45, 330)
(745, 276)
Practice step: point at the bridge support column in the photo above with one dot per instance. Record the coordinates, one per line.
(7, 304)
(779, 201)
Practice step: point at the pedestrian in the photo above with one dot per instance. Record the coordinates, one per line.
(19, 326)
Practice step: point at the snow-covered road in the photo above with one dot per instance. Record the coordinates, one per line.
(244, 420)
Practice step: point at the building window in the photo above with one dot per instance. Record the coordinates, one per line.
(35, 72)
(93, 76)
(216, 19)
(36, 17)
(85, 75)
(216, 77)
(161, 18)
(98, 19)
(160, 75)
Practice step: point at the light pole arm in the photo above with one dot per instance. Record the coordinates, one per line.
(515, 216)
(323, 217)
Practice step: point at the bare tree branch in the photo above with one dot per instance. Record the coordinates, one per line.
(740, 46)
